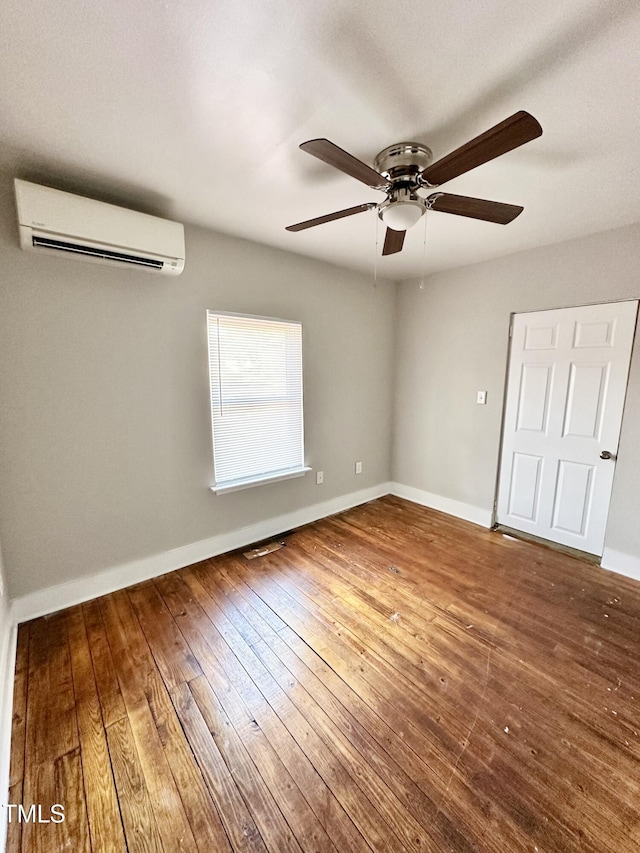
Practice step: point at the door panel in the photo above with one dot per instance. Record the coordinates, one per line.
(587, 392)
(565, 396)
(594, 334)
(525, 485)
(535, 383)
(572, 497)
(540, 337)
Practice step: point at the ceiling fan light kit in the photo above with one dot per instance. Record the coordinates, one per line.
(404, 169)
(401, 209)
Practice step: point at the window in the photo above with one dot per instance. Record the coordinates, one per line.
(255, 373)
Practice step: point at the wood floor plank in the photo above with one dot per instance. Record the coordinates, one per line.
(135, 803)
(202, 814)
(393, 679)
(40, 789)
(19, 716)
(18, 735)
(304, 824)
(171, 653)
(230, 565)
(136, 673)
(232, 586)
(57, 782)
(51, 706)
(133, 662)
(223, 740)
(73, 832)
(52, 757)
(111, 701)
(240, 826)
(105, 824)
(14, 826)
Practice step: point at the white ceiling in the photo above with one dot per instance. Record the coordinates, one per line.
(194, 109)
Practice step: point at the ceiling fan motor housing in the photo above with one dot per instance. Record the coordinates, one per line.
(402, 164)
(403, 161)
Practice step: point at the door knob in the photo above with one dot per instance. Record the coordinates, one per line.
(605, 455)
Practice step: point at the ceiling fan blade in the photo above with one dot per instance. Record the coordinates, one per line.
(509, 134)
(320, 220)
(393, 242)
(476, 208)
(339, 159)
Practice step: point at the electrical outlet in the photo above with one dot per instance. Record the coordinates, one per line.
(319, 478)
(358, 467)
(481, 398)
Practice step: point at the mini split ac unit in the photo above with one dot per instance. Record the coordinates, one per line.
(67, 225)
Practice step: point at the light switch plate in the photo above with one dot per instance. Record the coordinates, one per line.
(481, 398)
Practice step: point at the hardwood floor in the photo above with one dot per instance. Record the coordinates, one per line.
(392, 680)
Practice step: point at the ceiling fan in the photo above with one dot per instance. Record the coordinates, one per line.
(401, 170)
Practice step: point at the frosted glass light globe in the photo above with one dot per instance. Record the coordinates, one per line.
(402, 215)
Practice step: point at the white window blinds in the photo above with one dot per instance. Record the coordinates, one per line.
(255, 371)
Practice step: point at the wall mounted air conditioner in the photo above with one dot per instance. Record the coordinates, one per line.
(71, 226)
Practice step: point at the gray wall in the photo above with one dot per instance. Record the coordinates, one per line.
(105, 443)
(452, 340)
(4, 599)
(6, 699)
(4, 637)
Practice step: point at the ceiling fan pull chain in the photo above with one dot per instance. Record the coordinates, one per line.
(424, 250)
(375, 257)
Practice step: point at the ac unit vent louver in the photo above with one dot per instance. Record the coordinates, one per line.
(93, 251)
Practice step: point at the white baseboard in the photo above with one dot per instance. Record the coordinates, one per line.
(468, 512)
(623, 564)
(75, 592)
(7, 668)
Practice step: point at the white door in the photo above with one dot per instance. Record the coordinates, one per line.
(565, 395)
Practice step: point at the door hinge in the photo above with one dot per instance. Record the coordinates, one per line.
(510, 329)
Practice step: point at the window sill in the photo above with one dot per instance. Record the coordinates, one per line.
(235, 486)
